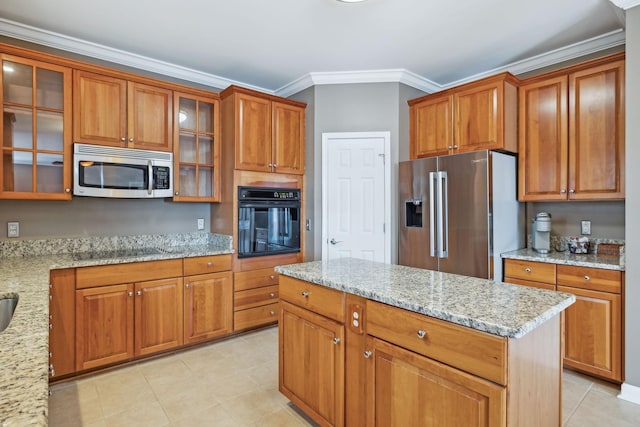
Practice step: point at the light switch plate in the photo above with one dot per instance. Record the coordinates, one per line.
(585, 227)
(13, 229)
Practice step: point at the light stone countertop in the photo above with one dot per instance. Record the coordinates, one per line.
(607, 262)
(24, 345)
(497, 308)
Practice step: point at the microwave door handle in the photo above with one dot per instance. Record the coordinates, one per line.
(150, 172)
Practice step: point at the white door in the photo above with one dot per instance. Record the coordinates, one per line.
(356, 204)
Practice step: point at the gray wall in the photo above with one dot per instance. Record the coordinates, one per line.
(85, 216)
(607, 218)
(632, 234)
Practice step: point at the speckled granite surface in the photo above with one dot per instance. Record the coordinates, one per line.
(24, 352)
(567, 258)
(497, 308)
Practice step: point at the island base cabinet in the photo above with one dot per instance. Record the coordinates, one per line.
(312, 364)
(407, 389)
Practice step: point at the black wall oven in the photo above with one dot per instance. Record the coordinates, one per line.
(268, 221)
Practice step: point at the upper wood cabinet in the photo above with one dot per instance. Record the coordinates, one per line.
(36, 129)
(196, 148)
(481, 115)
(267, 132)
(116, 112)
(571, 144)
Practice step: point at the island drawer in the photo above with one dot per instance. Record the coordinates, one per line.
(244, 280)
(207, 264)
(596, 279)
(472, 351)
(114, 274)
(256, 316)
(254, 297)
(530, 270)
(324, 301)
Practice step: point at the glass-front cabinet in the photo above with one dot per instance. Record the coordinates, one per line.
(35, 129)
(196, 148)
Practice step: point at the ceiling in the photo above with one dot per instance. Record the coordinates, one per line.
(283, 46)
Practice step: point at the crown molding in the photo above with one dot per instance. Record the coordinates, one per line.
(625, 4)
(54, 40)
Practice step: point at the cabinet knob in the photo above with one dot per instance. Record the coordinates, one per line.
(177, 193)
(272, 277)
(275, 165)
(52, 371)
(139, 293)
(571, 190)
(336, 341)
(209, 264)
(587, 277)
(270, 165)
(451, 147)
(67, 190)
(50, 326)
(123, 139)
(187, 285)
(527, 270)
(455, 147)
(421, 333)
(367, 354)
(272, 313)
(130, 294)
(272, 295)
(562, 191)
(305, 294)
(130, 139)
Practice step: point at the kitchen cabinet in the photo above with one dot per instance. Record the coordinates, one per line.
(62, 322)
(122, 113)
(593, 325)
(36, 129)
(267, 132)
(255, 298)
(480, 115)
(208, 306)
(571, 132)
(196, 148)
(530, 273)
(311, 355)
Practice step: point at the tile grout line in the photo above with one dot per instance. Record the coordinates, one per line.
(575, 409)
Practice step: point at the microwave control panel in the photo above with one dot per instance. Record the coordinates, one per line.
(161, 178)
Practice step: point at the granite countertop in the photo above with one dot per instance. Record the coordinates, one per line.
(497, 308)
(607, 262)
(24, 345)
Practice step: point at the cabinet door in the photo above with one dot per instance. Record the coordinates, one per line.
(406, 389)
(431, 127)
(593, 333)
(478, 118)
(62, 322)
(253, 133)
(596, 132)
(104, 325)
(288, 138)
(99, 109)
(312, 364)
(35, 99)
(158, 315)
(208, 306)
(149, 120)
(543, 145)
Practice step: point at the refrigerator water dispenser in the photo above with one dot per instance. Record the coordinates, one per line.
(413, 210)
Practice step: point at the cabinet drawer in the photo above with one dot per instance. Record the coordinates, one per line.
(540, 285)
(254, 297)
(472, 351)
(256, 316)
(316, 298)
(595, 279)
(207, 264)
(254, 279)
(101, 275)
(530, 270)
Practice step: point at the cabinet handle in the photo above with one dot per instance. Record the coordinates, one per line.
(367, 354)
(305, 294)
(336, 341)
(275, 165)
(139, 293)
(50, 355)
(272, 313)
(587, 277)
(50, 297)
(130, 294)
(50, 326)
(421, 334)
(187, 285)
(272, 295)
(527, 270)
(270, 165)
(131, 139)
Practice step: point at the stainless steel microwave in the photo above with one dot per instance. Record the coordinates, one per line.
(101, 171)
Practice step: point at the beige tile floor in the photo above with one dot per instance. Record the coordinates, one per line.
(235, 383)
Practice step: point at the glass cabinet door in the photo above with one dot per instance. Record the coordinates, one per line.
(196, 149)
(36, 130)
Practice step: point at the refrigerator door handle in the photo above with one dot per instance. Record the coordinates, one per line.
(432, 213)
(443, 215)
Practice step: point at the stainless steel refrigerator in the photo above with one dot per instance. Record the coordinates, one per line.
(459, 212)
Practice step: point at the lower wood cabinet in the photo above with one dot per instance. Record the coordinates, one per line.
(255, 298)
(62, 322)
(208, 309)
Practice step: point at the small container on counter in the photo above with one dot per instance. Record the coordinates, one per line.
(578, 245)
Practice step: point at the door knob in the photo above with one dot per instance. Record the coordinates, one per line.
(334, 241)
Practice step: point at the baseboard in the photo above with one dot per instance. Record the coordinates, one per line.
(630, 393)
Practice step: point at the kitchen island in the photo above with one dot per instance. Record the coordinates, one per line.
(24, 345)
(365, 343)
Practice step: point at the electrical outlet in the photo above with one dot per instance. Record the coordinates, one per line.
(585, 227)
(13, 229)
(200, 223)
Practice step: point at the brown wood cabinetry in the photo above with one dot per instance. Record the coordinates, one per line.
(571, 129)
(208, 306)
(529, 273)
(480, 115)
(116, 112)
(36, 129)
(267, 132)
(62, 322)
(255, 298)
